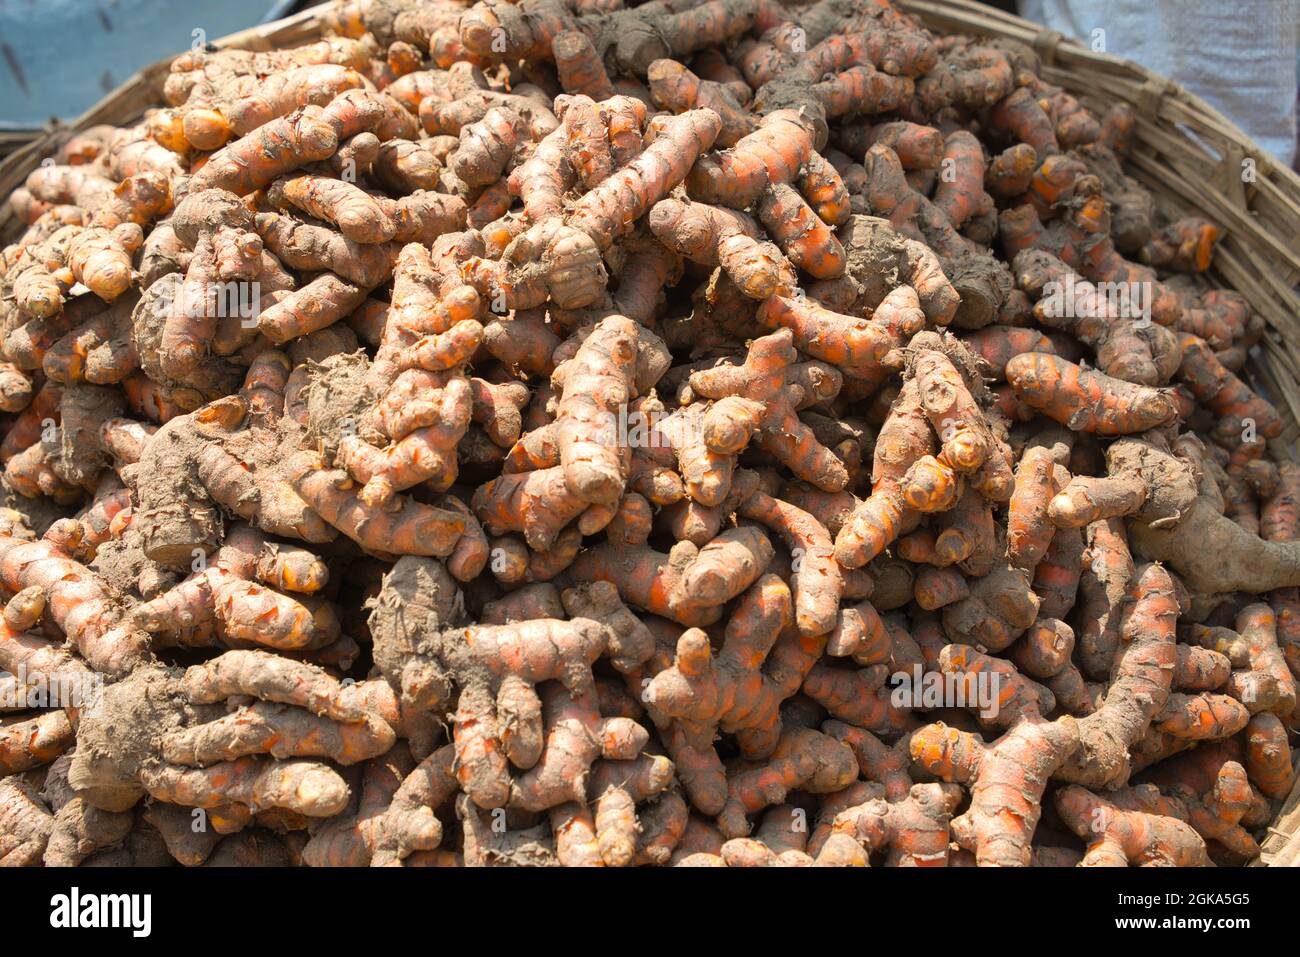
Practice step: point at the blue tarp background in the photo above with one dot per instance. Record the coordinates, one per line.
(58, 57)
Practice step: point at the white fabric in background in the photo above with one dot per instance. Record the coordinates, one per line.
(1241, 56)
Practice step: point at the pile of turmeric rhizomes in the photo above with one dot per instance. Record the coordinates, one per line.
(724, 434)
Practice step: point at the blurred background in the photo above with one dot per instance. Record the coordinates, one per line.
(58, 57)
(1242, 55)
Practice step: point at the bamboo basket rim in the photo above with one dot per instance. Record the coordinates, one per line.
(1192, 158)
(1185, 151)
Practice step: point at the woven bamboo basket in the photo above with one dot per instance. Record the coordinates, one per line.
(1189, 155)
(1193, 159)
